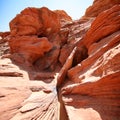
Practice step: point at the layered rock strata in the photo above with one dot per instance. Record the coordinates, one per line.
(62, 69)
(95, 91)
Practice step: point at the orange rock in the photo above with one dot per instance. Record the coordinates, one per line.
(103, 27)
(64, 53)
(96, 100)
(95, 89)
(62, 74)
(105, 53)
(29, 49)
(4, 47)
(100, 6)
(21, 98)
(35, 21)
(77, 30)
(4, 34)
(49, 61)
(88, 84)
(63, 15)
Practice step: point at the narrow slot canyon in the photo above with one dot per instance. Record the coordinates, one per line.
(55, 68)
(62, 111)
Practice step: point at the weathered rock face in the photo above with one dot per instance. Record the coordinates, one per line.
(29, 49)
(100, 6)
(102, 27)
(35, 32)
(74, 67)
(95, 91)
(4, 34)
(4, 47)
(105, 58)
(22, 99)
(77, 30)
(63, 15)
(33, 21)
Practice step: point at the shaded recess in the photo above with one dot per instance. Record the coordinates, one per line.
(54, 68)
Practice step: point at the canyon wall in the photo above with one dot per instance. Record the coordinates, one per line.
(56, 68)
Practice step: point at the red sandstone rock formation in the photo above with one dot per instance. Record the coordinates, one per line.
(74, 65)
(100, 6)
(96, 80)
(63, 15)
(28, 31)
(33, 21)
(102, 27)
(4, 34)
(28, 49)
(4, 47)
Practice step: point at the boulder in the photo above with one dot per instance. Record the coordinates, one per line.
(29, 28)
(27, 49)
(35, 21)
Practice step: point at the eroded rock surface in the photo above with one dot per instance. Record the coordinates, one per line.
(103, 27)
(100, 6)
(94, 93)
(4, 47)
(32, 21)
(60, 69)
(29, 48)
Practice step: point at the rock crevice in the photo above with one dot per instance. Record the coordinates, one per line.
(55, 68)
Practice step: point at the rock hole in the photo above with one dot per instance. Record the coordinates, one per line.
(80, 55)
